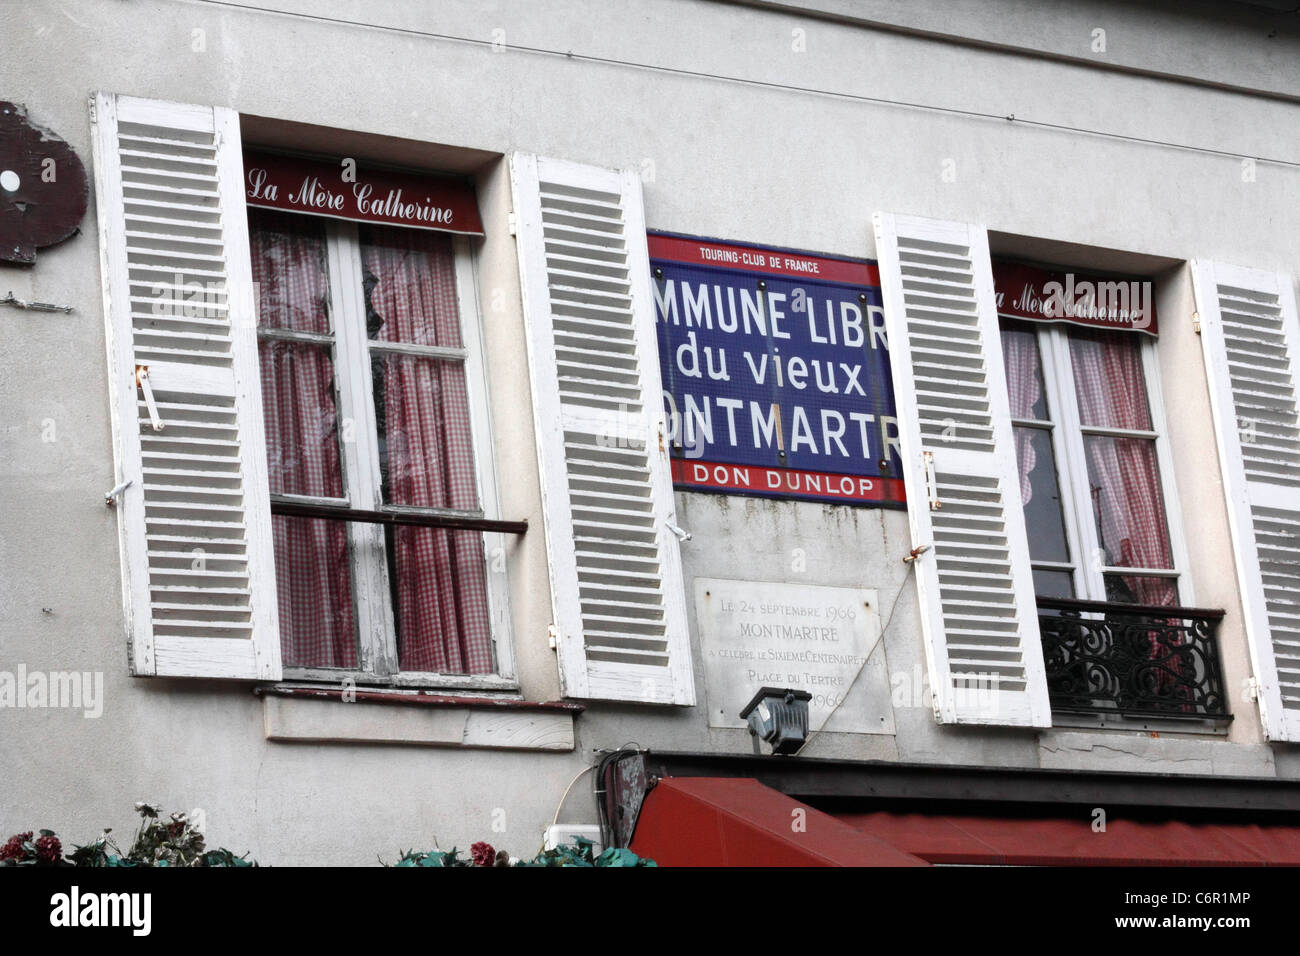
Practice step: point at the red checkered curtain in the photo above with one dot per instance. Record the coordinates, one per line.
(1128, 503)
(426, 451)
(311, 556)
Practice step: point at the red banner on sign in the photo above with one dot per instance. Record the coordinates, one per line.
(787, 483)
(773, 262)
(344, 191)
(1040, 295)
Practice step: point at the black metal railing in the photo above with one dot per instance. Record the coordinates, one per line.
(1132, 660)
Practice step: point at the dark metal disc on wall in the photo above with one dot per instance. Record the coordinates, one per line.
(43, 188)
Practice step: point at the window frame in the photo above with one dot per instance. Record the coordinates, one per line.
(1067, 435)
(351, 351)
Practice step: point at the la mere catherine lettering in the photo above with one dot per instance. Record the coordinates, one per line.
(312, 196)
(1028, 292)
(776, 376)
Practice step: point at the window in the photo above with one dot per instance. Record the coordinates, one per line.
(370, 378)
(1089, 449)
(316, 489)
(1040, 496)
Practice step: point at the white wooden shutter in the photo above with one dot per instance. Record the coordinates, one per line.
(975, 584)
(619, 602)
(199, 575)
(1251, 341)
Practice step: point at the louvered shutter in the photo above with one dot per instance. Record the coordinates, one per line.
(616, 581)
(975, 584)
(1250, 337)
(199, 575)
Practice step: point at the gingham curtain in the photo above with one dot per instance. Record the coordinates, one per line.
(1111, 392)
(442, 606)
(311, 556)
(1020, 356)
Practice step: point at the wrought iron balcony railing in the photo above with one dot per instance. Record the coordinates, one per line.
(1132, 660)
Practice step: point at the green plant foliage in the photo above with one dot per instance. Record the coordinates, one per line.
(176, 841)
(622, 856)
(173, 842)
(580, 853)
(431, 858)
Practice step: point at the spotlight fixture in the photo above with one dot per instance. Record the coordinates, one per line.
(778, 715)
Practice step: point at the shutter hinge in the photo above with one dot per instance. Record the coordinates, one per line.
(110, 498)
(1196, 322)
(11, 299)
(512, 223)
(552, 636)
(681, 535)
(931, 484)
(142, 381)
(915, 553)
(1252, 688)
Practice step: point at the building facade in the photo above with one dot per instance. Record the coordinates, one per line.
(345, 482)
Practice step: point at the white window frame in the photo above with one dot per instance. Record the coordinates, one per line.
(1068, 434)
(351, 350)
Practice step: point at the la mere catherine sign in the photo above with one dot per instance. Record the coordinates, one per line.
(1106, 302)
(775, 373)
(344, 190)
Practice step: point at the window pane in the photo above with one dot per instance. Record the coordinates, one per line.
(302, 448)
(1024, 371)
(426, 455)
(1053, 584)
(1127, 502)
(1040, 494)
(313, 577)
(314, 591)
(410, 286)
(1162, 592)
(1108, 380)
(440, 600)
(289, 271)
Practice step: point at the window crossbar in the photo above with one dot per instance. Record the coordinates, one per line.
(446, 353)
(1034, 423)
(454, 522)
(294, 335)
(1140, 572)
(1119, 432)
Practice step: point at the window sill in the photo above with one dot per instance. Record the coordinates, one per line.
(1205, 728)
(325, 715)
(458, 682)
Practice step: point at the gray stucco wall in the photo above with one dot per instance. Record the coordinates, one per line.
(738, 135)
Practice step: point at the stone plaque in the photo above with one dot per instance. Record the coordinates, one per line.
(757, 633)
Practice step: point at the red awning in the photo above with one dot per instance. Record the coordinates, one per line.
(733, 821)
(1062, 841)
(716, 821)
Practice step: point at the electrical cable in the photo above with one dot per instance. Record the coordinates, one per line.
(884, 629)
(565, 796)
(765, 84)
